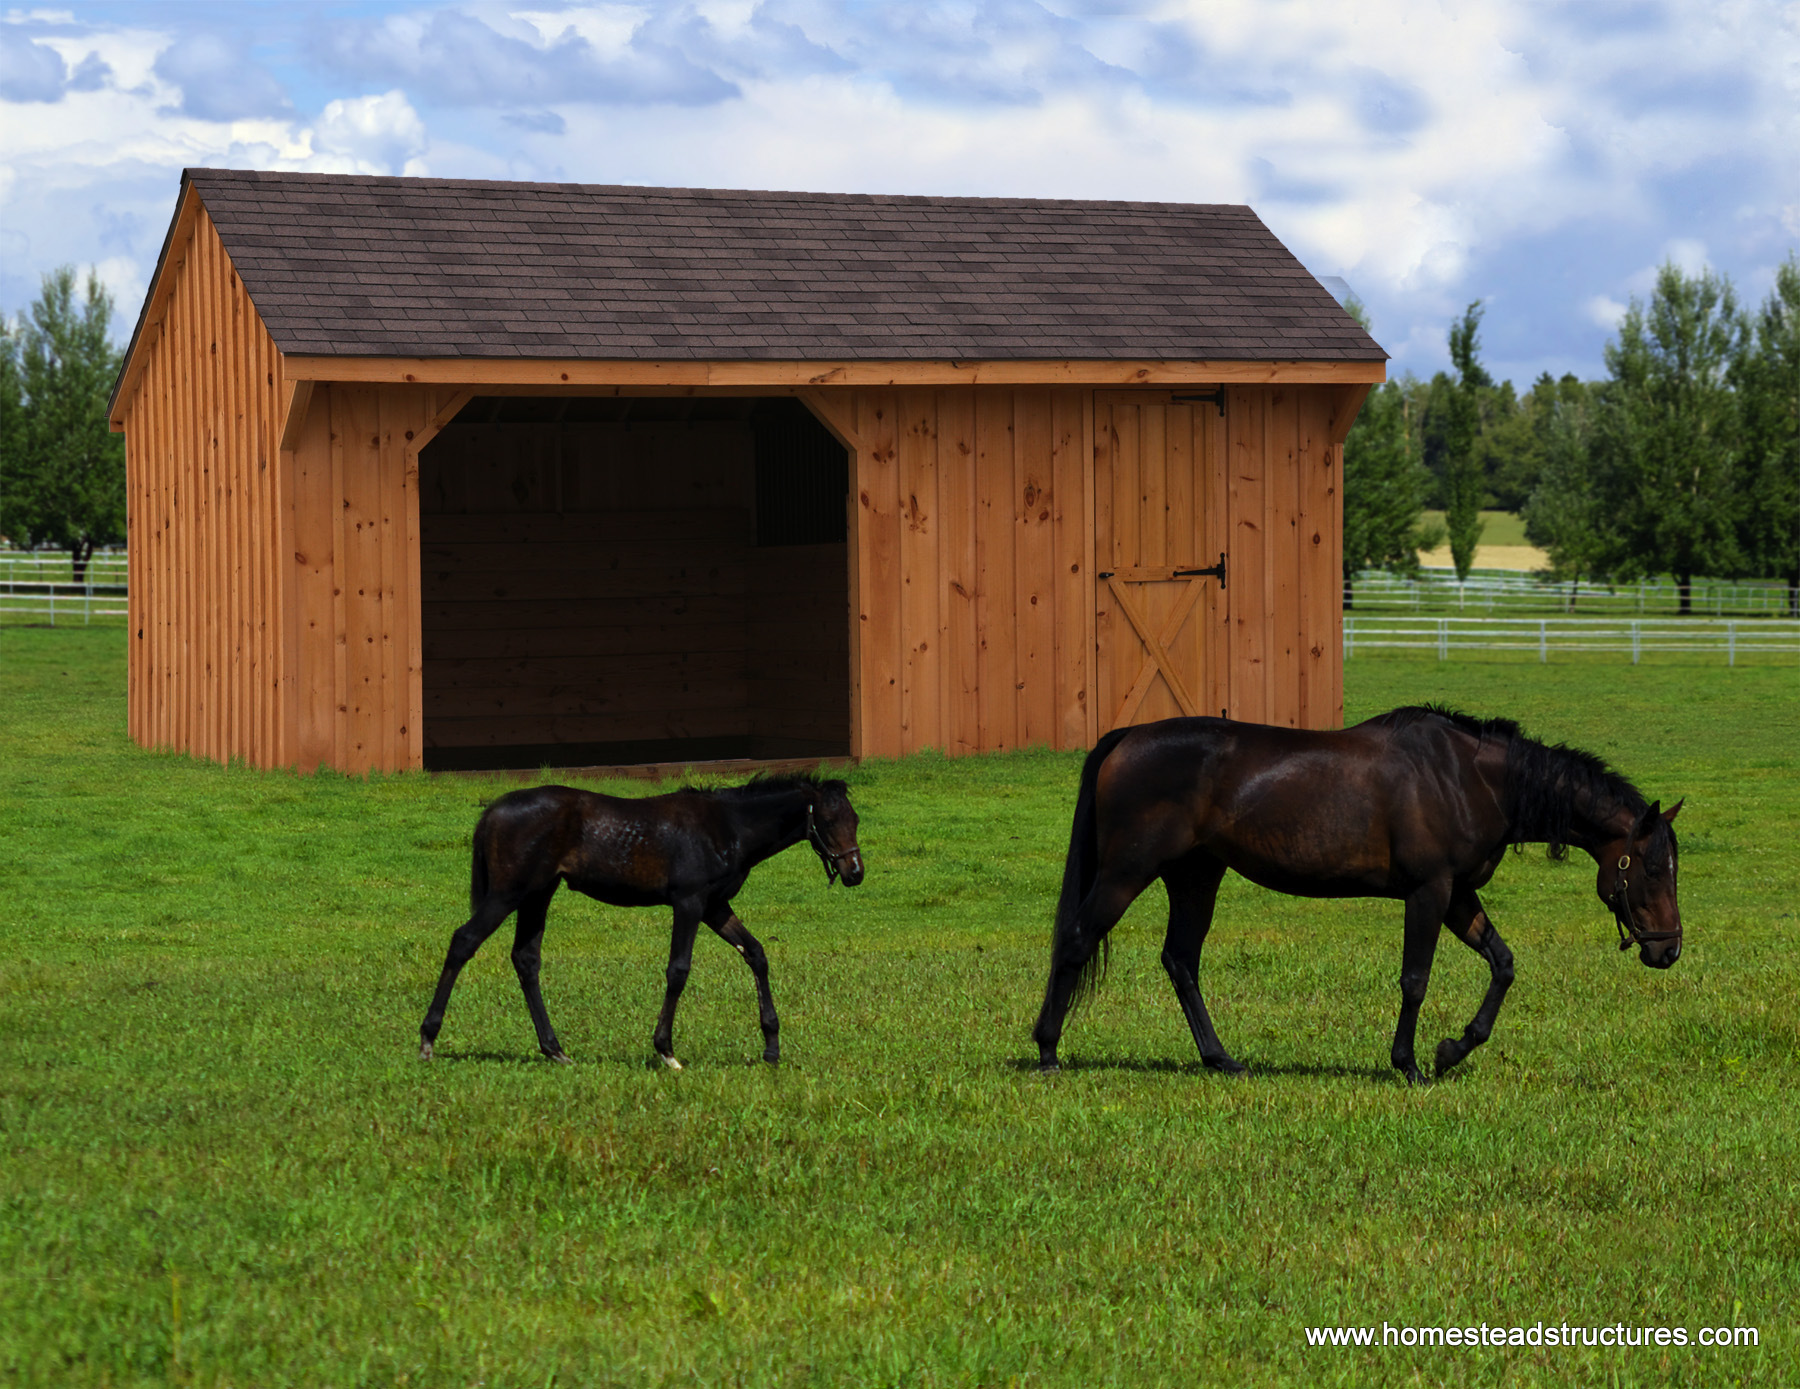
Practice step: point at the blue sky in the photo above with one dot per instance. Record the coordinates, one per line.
(1544, 158)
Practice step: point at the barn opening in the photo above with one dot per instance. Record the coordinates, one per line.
(610, 580)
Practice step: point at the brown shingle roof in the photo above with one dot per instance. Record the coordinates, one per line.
(356, 266)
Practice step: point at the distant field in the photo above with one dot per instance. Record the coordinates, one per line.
(222, 1164)
(1503, 544)
(1497, 527)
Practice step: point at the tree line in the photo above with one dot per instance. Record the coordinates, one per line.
(1684, 460)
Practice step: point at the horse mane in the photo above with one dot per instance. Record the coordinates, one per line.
(765, 785)
(1547, 785)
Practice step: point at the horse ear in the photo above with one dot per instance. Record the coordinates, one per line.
(1675, 809)
(1647, 821)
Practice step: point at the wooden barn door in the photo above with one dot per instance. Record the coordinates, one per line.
(1159, 536)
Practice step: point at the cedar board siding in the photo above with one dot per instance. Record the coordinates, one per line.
(971, 562)
(974, 517)
(273, 592)
(354, 621)
(205, 512)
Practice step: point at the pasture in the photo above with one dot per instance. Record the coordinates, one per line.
(222, 1164)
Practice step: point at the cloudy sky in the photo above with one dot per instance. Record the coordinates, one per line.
(1542, 157)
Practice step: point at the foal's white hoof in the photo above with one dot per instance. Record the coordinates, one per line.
(671, 1063)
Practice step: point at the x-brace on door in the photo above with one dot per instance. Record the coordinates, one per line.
(1162, 571)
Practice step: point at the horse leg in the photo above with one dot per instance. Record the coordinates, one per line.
(494, 909)
(681, 958)
(724, 921)
(1468, 920)
(528, 939)
(1424, 915)
(1193, 889)
(1098, 913)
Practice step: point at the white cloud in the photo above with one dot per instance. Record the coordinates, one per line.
(1535, 155)
(1687, 255)
(380, 134)
(1604, 312)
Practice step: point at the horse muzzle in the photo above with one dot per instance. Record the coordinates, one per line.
(850, 866)
(1660, 954)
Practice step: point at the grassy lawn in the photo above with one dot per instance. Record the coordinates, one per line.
(221, 1164)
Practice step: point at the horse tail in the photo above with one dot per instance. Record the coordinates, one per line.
(1082, 866)
(478, 865)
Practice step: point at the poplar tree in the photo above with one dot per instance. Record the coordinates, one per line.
(1463, 478)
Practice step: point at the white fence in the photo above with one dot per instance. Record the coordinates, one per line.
(61, 604)
(54, 567)
(1755, 638)
(1495, 590)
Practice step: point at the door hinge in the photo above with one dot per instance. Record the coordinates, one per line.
(1217, 571)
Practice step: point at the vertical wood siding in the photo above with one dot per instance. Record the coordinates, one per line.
(972, 591)
(202, 436)
(980, 625)
(276, 605)
(354, 502)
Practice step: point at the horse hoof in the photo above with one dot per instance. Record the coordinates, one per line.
(1449, 1055)
(424, 1051)
(772, 1057)
(1225, 1065)
(1049, 1068)
(560, 1057)
(671, 1063)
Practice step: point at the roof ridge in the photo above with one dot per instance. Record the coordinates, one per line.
(205, 173)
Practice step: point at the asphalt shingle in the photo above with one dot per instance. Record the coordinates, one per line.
(342, 265)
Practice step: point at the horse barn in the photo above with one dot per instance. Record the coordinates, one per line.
(445, 474)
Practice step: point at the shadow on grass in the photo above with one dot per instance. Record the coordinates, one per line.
(1197, 1068)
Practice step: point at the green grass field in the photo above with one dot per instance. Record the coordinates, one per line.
(220, 1163)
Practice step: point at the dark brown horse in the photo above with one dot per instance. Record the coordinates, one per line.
(1417, 804)
(690, 850)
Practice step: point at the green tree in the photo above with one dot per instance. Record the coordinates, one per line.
(1666, 436)
(62, 470)
(12, 418)
(1463, 482)
(1563, 513)
(1384, 480)
(1384, 489)
(1431, 399)
(1509, 446)
(1767, 378)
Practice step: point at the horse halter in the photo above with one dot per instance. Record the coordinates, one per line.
(823, 850)
(1630, 933)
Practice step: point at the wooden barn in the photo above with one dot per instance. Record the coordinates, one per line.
(447, 474)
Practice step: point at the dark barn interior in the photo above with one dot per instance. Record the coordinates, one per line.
(629, 579)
